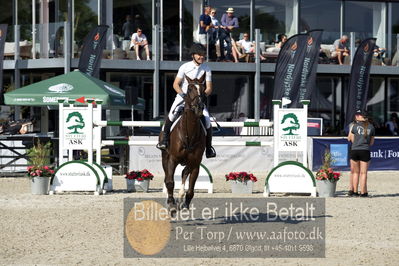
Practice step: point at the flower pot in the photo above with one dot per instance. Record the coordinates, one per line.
(130, 185)
(142, 185)
(134, 185)
(39, 185)
(326, 188)
(241, 187)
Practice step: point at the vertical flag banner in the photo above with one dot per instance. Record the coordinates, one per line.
(3, 35)
(309, 69)
(289, 66)
(359, 79)
(94, 43)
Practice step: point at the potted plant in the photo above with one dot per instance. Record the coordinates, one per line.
(40, 171)
(138, 180)
(326, 178)
(241, 182)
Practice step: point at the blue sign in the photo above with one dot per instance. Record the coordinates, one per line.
(384, 153)
(339, 154)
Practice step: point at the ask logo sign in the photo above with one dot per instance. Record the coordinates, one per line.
(292, 136)
(75, 128)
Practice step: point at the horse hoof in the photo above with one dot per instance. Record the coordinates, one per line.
(184, 206)
(172, 212)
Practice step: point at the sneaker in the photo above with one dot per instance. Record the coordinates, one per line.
(364, 195)
(351, 193)
(148, 59)
(138, 58)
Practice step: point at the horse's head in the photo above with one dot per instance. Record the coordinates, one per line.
(195, 95)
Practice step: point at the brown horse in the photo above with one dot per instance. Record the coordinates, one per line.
(187, 145)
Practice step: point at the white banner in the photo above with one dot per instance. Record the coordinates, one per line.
(228, 159)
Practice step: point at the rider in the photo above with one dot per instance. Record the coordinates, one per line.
(193, 69)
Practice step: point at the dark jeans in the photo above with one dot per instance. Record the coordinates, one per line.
(224, 36)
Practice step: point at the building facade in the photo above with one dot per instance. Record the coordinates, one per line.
(45, 37)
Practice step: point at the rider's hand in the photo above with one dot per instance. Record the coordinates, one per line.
(182, 94)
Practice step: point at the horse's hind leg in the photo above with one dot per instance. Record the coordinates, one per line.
(190, 193)
(184, 175)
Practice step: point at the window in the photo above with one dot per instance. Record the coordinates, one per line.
(322, 14)
(274, 17)
(366, 19)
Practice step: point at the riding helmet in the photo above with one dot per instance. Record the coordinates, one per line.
(197, 48)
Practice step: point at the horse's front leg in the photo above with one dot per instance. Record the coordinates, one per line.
(170, 186)
(184, 175)
(190, 193)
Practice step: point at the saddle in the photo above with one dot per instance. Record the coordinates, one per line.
(179, 112)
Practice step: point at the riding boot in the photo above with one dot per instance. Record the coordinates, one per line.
(164, 143)
(210, 151)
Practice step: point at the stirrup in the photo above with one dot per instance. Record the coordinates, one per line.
(210, 152)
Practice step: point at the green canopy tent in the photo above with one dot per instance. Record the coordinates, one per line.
(72, 86)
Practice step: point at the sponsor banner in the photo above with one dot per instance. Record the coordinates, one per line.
(287, 75)
(384, 153)
(76, 129)
(228, 159)
(225, 228)
(3, 35)
(90, 58)
(315, 126)
(309, 68)
(292, 129)
(359, 79)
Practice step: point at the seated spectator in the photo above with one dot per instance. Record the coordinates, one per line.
(247, 46)
(213, 34)
(340, 49)
(379, 54)
(392, 125)
(139, 41)
(281, 39)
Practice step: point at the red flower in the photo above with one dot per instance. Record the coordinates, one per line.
(140, 175)
(240, 176)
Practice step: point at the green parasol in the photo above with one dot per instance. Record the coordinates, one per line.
(72, 86)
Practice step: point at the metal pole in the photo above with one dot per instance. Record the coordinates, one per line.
(161, 29)
(352, 51)
(252, 19)
(180, 30)
(257, 76)
(156, 73)
(397, 49)
(67, 47)
(342, 19)
(207, 47)
(34, 29)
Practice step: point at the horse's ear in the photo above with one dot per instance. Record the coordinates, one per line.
(188, 79)
(201, 79)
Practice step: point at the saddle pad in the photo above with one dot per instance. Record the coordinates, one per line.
(177, 120)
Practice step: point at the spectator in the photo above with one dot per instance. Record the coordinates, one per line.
(247, 46)
(340, 49)
(139, 41)
(229, 23)
(127, 28)
(392, 125)
(213, 33)
(281, 39)
(205, 23)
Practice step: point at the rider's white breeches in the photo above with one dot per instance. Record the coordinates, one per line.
(178, 104)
